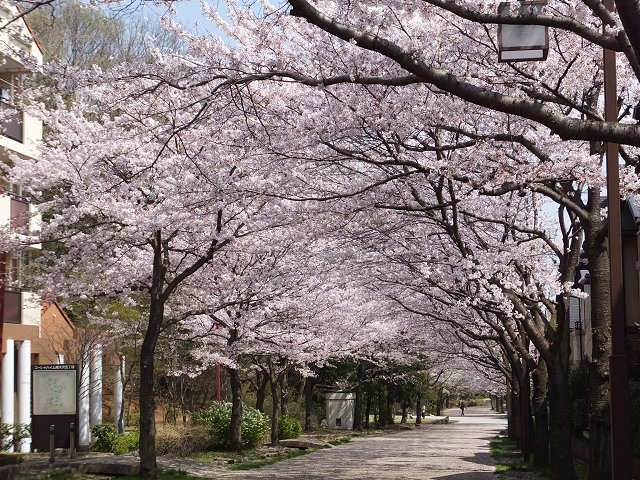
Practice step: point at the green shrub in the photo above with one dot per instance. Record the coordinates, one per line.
(127, 442)
(288, 427)
(12, 434)
(255, 425)
(108, 440)
(105, 437)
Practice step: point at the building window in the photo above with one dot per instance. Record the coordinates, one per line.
(20, 214)
(13, 189)
(14, 266)
(10, 95)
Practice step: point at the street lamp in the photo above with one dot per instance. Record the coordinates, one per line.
(522, 43)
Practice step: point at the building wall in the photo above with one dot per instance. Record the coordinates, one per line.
(16, 44)
(58, 336)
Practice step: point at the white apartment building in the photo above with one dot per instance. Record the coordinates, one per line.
(24, 340)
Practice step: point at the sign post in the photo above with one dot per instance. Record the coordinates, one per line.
(55, 403)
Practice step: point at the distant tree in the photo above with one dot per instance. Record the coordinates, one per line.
(77, 34)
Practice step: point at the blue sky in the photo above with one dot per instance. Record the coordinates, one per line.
(188, 13)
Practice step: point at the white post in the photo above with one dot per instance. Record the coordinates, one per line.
(24, 390)
(8, 387)
(84, 434)
(96, 385)
(118, 406)
(61, 359)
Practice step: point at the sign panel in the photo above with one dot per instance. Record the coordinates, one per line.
(54, 389)
(518, 43)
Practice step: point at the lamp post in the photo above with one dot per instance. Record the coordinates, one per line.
(522, 43)
(618, 362)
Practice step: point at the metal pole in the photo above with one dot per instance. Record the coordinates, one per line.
(618, 363)
(72, 440)
(52, 443)
(3, 269)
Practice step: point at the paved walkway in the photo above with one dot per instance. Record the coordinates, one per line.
(458, 451)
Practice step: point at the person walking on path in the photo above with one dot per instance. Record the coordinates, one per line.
(462, 408)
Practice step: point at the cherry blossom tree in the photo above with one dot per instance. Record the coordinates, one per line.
(140, 198)
(348, 102)
(386, 55)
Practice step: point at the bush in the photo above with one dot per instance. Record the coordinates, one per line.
(218, 417)
(105, 437)
(288, 427)
(110, 441)
(127, 442)
(183, 441)
(12, 434)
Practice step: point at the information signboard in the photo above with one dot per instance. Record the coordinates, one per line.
(54, 402)
(54, 390)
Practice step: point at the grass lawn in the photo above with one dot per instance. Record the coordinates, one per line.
(250, 459)
(510, 464)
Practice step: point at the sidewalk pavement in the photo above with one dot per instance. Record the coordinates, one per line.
(457, 451)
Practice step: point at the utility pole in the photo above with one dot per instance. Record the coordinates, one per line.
(3, 282)
(619, 405)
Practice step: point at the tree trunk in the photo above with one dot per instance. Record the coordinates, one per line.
(439, 401)
(262, 381)
(599, 421)
(419, 412)
(308, 403)
(390, 410)
(275, 412)
(384, 416)
(540, 411)
(525, 412)
(405, 407)
(515, 424)
(357, 404)
(367, 412)
(561, 457)
(284, 386)
(147, 449)
(236, 411)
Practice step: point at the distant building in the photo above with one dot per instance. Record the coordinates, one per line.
(580, 309)
(31, 334)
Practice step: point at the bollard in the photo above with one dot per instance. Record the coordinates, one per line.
(72, 440)
(52, 446)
